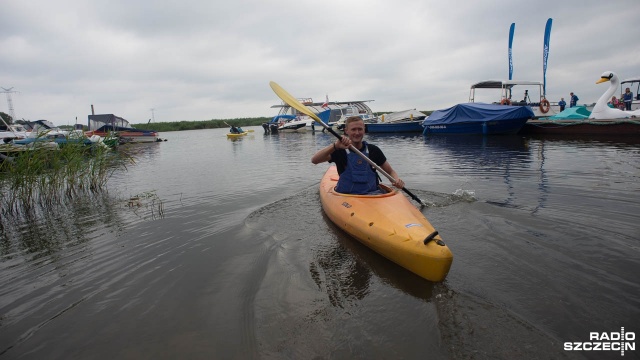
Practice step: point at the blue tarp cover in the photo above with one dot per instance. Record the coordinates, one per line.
(477, 112)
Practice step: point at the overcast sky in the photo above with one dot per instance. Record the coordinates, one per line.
(201, 60)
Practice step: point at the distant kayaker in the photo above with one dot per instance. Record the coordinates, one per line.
(234, 130)
(356, 175)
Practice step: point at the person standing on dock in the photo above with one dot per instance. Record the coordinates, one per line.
(628, 97)
(573, 101)
(562, 104)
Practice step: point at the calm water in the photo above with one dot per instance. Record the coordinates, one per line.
(226, 254)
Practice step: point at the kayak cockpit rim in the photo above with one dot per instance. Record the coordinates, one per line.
(388, 191)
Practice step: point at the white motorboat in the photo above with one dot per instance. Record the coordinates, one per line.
(40, 128)
(332, 112)
(12, 132)
(290, 125)
(536, 100)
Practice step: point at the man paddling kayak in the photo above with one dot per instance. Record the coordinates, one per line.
(356, 175)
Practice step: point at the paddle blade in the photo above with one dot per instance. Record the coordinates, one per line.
(293, 102)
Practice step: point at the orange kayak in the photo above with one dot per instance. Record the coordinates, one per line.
(390, 225)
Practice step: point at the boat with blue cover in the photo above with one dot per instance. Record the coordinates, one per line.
(398, 122)
(109, 125)
(477, 119)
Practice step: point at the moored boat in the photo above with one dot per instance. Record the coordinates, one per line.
(477, 119)
(602, 110)
(594, 127)
(390, 225)
(109, 125)
(10, 132)
(414, 126)
(45, 131)
(604, 120)
(509, 95)
(292, 125)
(331, 113)
(396, 122)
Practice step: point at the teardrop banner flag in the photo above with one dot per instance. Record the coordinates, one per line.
(545, 55)
(511, 30)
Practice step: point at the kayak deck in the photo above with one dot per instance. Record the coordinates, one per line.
(390, 225)
(232, 135)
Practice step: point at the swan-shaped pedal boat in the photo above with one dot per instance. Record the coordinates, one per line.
(601, 110)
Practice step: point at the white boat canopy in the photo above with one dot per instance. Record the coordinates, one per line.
(631, 80)
(505, 86)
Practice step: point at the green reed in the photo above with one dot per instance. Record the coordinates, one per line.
(45, 177)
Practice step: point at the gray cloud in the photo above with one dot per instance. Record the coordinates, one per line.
(194, 60)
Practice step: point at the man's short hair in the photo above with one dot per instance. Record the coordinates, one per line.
(351, 119)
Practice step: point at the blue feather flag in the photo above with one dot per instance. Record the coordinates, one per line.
(511, 30)
(545, 55)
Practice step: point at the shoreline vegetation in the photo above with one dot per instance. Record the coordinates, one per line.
(194, 124)
(201, 124)
(41, 179)
(215, 123)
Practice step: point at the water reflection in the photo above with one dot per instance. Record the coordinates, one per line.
(53, 232)
(352, 266)
(623, 140)
(483, 152)
(141, 152)
(43, 232)
(507, 157)
(340, 266)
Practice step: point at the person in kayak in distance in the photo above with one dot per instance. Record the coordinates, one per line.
(356, 175)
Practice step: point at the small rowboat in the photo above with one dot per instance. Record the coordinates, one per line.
(390, 225)
(233, 136)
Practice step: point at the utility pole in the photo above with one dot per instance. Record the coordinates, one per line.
(10, 103)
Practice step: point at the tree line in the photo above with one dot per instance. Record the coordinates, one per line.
(191, 125)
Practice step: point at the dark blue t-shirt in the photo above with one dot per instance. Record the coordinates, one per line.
(339, 157)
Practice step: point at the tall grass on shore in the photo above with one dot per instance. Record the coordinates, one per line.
(44, 177)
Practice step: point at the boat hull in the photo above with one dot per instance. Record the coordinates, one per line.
(610, 127)
(295, 127)
(395, 127)
(388, 224)
(492, 127)
(130, 136)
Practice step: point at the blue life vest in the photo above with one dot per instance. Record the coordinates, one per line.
(358, 177)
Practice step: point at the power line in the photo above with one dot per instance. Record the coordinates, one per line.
(9, 91)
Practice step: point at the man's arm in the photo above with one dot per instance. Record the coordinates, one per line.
(324, 154)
